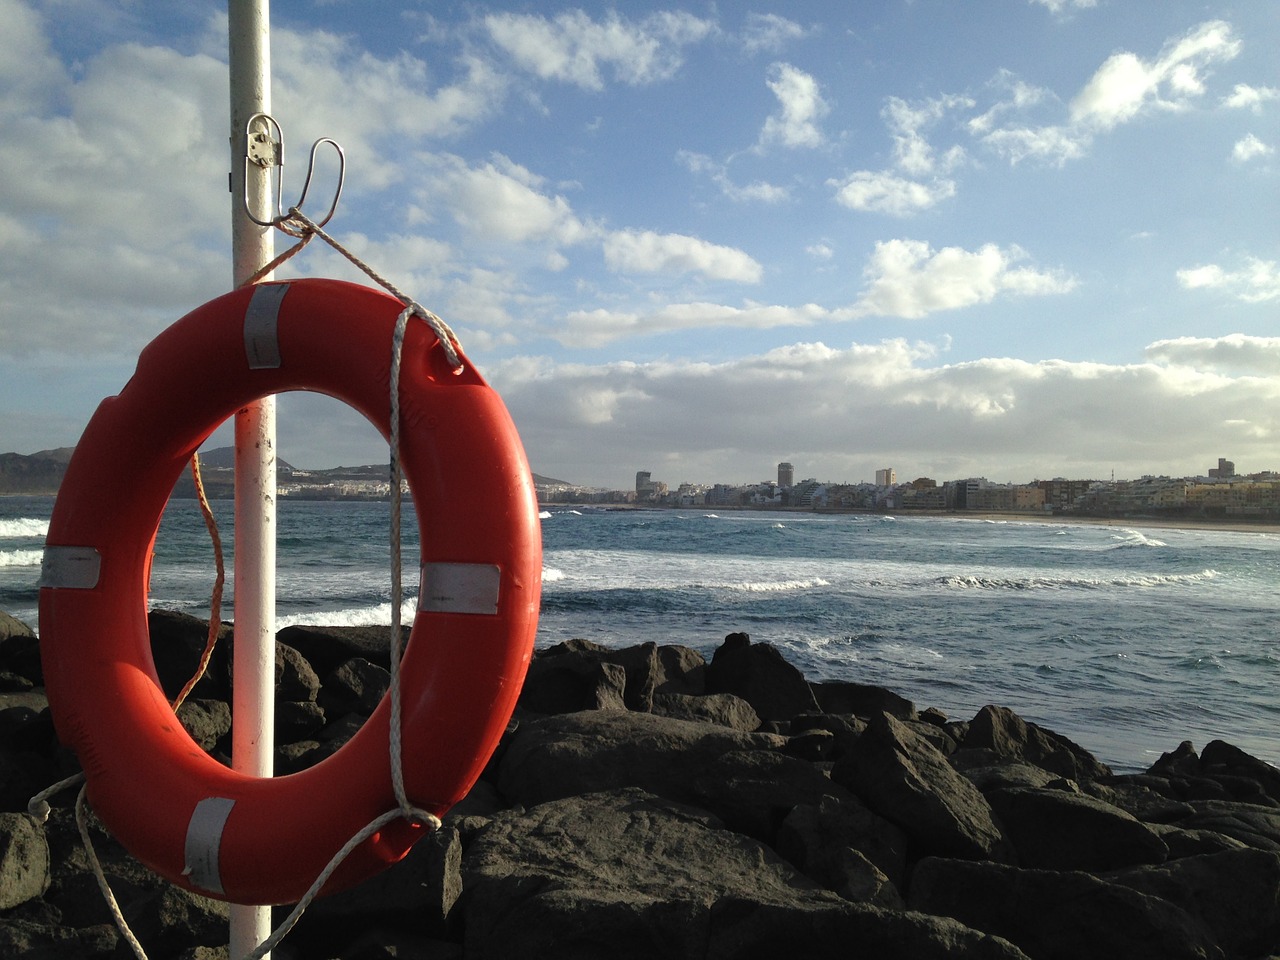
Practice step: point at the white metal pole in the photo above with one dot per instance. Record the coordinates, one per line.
(252, 246)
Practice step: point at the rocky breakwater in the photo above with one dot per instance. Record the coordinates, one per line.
(648, 803)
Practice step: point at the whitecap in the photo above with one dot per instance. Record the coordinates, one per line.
(552, 575)
(21, 558)
(778, 586)
(1135, 538)
(376, 615)
(17, 527)
(544, 514)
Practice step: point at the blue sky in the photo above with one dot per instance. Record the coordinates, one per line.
(1017, 238)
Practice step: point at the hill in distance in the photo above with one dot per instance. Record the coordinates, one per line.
(41, 473)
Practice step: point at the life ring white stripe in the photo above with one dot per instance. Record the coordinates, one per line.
(204, 837)
(70, 568)
(460, 588)
(261, 338)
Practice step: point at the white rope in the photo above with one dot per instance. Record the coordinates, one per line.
(404, 809)
(314, 890)
(298, 225)
(82, 824)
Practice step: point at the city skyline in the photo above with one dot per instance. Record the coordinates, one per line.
(1020, 238)
(1224, 469)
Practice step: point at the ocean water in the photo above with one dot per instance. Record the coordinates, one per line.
(1126, 638)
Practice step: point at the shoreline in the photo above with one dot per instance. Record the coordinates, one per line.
(1158, 523)
(983, 516)
(1240, 525)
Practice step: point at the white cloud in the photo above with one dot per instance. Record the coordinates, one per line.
(1126, 84)
(1020, 96)
(908, 122)
(1120, 90)
(1249, 147)
(800, 97)
(1236, 353)
(819, 251)
(504, 201)
(999, 417)
(905, 278)
(112, 208)
(573, 48)
(325, 85)
(643, 251)
(768, 32)
(1054, 144)
(883, 192)
(593, 328)
(125, 171)
(30, 75)
(758, 191)
(1256, 282)
(1245, 97)
(923, 185)
(1058, 6)
(908, 279)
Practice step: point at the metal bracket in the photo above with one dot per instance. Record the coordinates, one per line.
(264, 148)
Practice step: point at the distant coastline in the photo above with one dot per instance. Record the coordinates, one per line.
(40, 474)
(1010, 516)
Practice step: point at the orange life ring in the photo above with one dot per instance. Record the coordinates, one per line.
(179, 811)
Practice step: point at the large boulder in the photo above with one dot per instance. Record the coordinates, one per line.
(416, 894)
(296, 679)
(577, 753)
(647, 669)
(24, 860)
(723, 709)
(1061, 830)
(861, 699)
(1059, 915)
(355, 687)
(327, 648)
(754, 791)
(20, 667)
(846, 848)
(1234, 893)
(1254, 826)
(907, 780)
(571, 682)
(11, 626)
(1006, 734)
(178, 641)
(626, 874)
(757, 673)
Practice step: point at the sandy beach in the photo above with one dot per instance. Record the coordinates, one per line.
(1162, 523)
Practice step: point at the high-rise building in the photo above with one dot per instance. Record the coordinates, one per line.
(786, 474)
(644, 483)
(886, 477)
(1226, 469)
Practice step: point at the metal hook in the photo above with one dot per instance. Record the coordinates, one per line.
(311, 169)
(264, 147)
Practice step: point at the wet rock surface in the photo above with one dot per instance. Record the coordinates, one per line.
(645, 802)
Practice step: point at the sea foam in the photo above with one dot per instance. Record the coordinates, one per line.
(23, 527)
(20, 558)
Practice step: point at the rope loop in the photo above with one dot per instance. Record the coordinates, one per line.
(302, 228)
